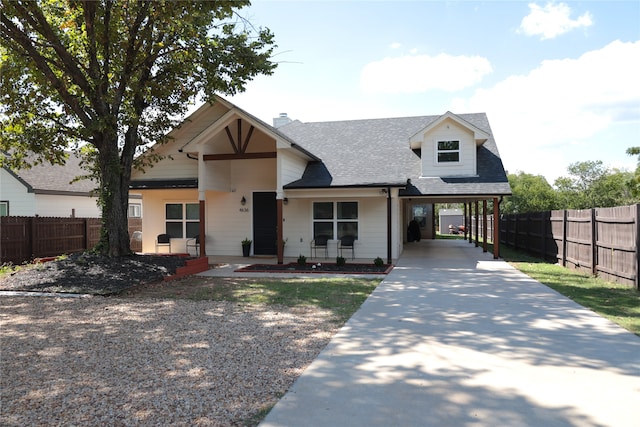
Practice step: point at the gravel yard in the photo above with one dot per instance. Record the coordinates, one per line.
(137, 362)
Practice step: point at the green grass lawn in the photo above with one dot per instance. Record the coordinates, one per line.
(342, 296)
(619, 303)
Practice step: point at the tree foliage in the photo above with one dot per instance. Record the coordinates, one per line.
(107, 77)
(634, 182)
(588, 185)
(530, 193)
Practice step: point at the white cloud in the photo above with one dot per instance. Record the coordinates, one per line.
(561, 104)
(395, 45)
(420, 73)
(552, 20)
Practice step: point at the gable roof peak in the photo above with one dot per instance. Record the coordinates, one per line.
(480, 135)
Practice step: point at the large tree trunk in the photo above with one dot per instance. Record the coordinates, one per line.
(114, 196)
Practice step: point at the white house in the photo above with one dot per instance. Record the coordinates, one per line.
(228, 176)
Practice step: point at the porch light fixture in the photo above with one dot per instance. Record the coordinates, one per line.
(243, 201)
(285, 200)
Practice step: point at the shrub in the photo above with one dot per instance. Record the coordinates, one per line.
(340, 261)
(302, 260)
(378, 262)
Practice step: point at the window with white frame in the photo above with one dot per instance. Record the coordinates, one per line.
(4, 208)
(335, 219)
(182, 220)
(448, 151)
(135, 210)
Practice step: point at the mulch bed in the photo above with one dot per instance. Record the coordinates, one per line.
(318, 268)
(88, 273)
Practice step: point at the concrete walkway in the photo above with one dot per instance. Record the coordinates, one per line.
(455, 338)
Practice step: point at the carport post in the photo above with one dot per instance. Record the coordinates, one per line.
(484, 225)
(496, 228)
(477, 225)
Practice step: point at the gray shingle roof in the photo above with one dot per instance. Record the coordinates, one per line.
(376, 152)
(48, 178)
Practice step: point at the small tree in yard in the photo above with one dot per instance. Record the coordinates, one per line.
(108, 77)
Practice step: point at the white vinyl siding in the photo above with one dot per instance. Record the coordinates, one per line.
(21, 202)
(372, 228)
(439, 155)
(292, 167)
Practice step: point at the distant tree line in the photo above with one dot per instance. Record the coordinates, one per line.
(589, 184)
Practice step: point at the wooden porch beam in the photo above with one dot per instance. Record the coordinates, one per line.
(243, 148)
(231, 140)
(240, 156)
(239, 140)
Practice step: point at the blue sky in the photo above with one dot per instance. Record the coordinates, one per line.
(559, 81)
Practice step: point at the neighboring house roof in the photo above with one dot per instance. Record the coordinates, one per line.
(377, 152)
(46, 178)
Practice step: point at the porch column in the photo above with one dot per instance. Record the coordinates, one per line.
(389, 224)
(279, 228)
(484, 225)
(496, 228)
(201, 232)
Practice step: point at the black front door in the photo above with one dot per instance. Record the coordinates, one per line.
(264, 224)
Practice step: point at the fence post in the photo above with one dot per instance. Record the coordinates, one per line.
(545, 217)
(32, 240)
(565, 218)
(637, 212)
(594, 243)
(86, 234)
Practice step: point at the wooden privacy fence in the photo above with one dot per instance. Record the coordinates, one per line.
(25, 238)
(601, 241)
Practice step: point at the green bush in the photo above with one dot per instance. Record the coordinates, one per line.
(378, 262)
(302, 260)
(340, 261)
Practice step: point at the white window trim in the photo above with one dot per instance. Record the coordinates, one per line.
(6, 203)
(184, 219)
(335, 220)
(137, 207)
(438, 151)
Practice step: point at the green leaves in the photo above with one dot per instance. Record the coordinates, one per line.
(116, 75)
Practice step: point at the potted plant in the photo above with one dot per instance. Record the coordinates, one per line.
(246, 246)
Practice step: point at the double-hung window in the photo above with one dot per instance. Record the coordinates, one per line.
(135, 210)
(335, 219)
(4, 208)
(448, 151)
(182, 220)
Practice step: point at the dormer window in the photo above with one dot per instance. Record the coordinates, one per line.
(448, 151)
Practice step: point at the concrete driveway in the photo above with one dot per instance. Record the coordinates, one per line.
(455, 338)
